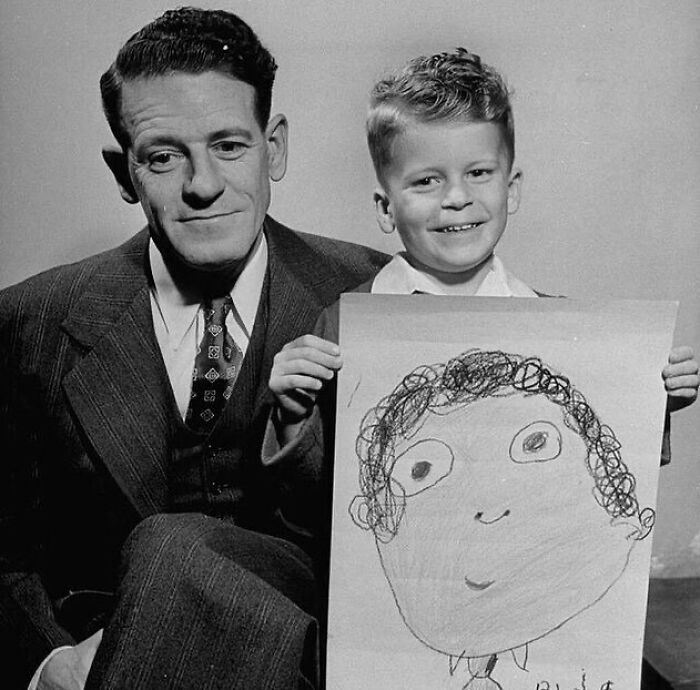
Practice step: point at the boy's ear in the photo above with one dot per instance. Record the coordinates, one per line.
(385, 217)
(276, 134)
(514, 185)
(118, 163)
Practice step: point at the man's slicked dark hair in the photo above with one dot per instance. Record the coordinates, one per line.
(193, 41)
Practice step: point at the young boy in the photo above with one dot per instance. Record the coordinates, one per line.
(440, 133)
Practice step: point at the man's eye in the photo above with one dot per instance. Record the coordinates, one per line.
(479, 173)
(419, 467)
(230, 149)
(163, 161)
(537, 442)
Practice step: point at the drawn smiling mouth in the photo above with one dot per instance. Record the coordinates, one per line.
(479, 517)
(477, 586)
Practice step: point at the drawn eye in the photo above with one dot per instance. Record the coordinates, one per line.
(419, 467)
(537, 442)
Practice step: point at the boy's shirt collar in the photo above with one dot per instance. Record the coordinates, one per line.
(398, 277)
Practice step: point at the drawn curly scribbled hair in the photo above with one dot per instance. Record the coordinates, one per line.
(451, 86)
(475, 375)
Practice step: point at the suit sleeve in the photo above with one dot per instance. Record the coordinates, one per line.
(28, 629)
(310, 439)
(307, 460)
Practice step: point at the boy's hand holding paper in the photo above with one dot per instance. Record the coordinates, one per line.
(681, 378)
(298, 374)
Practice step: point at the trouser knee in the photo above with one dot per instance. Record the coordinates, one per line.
(161, 534)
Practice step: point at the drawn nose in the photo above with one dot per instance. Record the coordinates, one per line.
(479, 517)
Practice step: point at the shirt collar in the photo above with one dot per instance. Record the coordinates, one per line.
(398, 277)
(178, 309)
(247, 289)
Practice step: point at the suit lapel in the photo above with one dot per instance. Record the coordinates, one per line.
(292, 308)
(118, 390)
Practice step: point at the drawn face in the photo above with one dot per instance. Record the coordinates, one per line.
(483, 560)
(448, 190)
(200, 164)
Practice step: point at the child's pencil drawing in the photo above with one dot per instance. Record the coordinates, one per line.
(495, 474)
(500, 504)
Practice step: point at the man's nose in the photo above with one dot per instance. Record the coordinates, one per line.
(457, 195)
(205, 182)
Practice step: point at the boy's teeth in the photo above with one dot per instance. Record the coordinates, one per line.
(458, 228)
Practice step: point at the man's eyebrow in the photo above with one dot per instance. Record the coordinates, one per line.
(156, 140)
(232, 132)
(164, 139)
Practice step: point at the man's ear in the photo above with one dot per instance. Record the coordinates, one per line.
(276, 134)
(515, 181)
(117, 162)
(382, 206)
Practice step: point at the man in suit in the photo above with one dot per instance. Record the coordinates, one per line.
(134, 398)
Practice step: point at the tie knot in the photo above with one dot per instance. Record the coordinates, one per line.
(216, 309)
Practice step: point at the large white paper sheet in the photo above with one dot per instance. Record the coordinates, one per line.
(495, 481)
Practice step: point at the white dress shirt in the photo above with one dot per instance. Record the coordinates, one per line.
(398, 277)
(178, 319)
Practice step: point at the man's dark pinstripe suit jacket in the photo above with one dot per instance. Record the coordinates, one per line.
(85, 425)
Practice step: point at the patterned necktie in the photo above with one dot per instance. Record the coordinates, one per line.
(216, 367)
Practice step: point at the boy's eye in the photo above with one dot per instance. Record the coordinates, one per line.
(537, 442)
(479, 173)
(421, 466)
(425, 182)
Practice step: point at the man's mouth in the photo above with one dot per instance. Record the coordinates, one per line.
(477, 586)
(207, 216)
(457, 228)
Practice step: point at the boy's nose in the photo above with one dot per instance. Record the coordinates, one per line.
(205, 182)
(457, 196)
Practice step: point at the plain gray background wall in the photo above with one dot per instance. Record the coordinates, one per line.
(606, 101)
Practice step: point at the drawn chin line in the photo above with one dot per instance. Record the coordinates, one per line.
(477, 586)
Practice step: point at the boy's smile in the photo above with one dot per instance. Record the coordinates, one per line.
(448, 190)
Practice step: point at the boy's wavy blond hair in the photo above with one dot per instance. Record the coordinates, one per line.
(451, 86)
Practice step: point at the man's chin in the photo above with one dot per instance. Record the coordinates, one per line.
(207, 266)
(205, 273)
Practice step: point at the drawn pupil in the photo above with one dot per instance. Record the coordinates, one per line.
(535, 441)
(420, 470)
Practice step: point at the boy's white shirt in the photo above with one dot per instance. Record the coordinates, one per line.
(398, 277)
